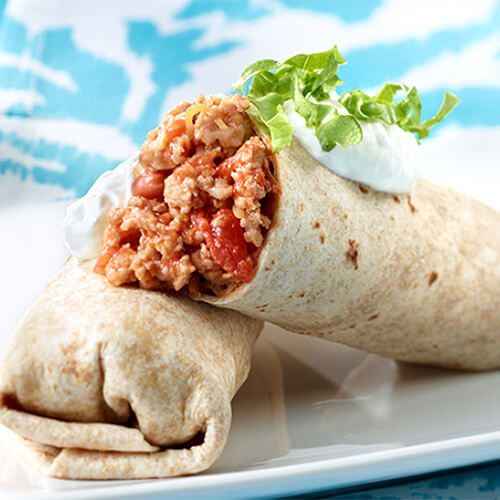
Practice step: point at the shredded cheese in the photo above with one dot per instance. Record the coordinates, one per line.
(238, 212)
(202, 108)
(221, 124)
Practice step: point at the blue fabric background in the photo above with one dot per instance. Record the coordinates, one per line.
(59, 77)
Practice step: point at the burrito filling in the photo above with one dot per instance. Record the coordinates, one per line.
(201, 203)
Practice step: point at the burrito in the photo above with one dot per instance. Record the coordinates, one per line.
(102, 382)
(305, 209)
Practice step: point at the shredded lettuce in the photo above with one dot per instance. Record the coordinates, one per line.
(405, 113)
(307, 80)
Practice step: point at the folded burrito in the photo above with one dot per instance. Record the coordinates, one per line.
(120, 383)
(278, 236)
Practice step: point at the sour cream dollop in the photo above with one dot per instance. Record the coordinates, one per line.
(387, 158)
(86, 218)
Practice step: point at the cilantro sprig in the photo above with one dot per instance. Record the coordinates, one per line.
(307, 80)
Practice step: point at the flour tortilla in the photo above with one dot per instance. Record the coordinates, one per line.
(414, 278)
(121, 383)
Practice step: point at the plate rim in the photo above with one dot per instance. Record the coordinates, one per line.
(408, 460)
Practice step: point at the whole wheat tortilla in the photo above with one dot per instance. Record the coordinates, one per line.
(121, 383)
(415, 278)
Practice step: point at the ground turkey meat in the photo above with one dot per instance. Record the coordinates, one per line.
(196, 214)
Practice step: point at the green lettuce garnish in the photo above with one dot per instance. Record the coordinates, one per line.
(405, 113)
(306, 80)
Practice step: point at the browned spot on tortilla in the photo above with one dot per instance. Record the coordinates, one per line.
(334, 211)
(363, 189)
(415, 285)
(81, 372)
(433, 277)
(322, 238)
(353, 325)
(345, 216)
(393, 219)
(396, 198)
(375, 316)
(267, 269)
(352, 253)
(272, 262)
(302, 294)
(410, 204)
(301, 207)
(72, 346)
(316, 224)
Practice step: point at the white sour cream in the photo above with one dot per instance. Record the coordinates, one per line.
(387, 158)
(86, 218)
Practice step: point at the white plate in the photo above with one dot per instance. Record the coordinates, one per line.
(312, 415)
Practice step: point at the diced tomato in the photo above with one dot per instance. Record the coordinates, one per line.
(228, 247)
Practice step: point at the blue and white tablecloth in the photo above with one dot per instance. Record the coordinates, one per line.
(81, 83)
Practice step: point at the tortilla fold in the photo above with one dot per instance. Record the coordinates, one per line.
(121, 383)
(415, 278)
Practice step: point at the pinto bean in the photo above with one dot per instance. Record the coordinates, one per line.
(149, 185)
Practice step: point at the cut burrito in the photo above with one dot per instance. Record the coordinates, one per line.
(415, 278)
(224, 204)
(119, 383)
